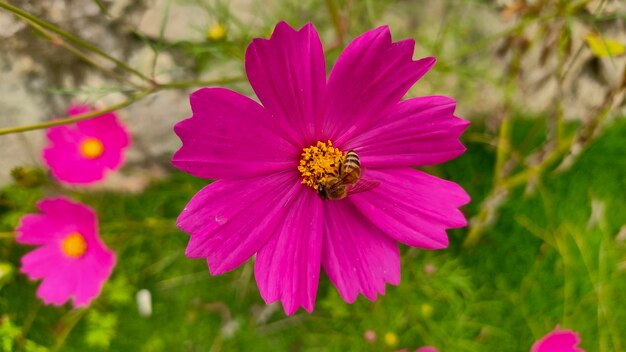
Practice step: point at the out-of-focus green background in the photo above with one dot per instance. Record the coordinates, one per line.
(542, 83)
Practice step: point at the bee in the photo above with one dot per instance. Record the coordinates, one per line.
(347, 181)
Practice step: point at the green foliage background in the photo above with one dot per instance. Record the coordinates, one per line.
(553, 252)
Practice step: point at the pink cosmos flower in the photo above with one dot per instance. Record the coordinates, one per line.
(81, 153)
(272, 159)
(71, 259)
(427, 349)
(558, 341)
(421, 349)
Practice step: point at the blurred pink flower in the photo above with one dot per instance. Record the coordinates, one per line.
(80, 153)
(427, 349)
(271, 159)
(71, 259)
(369, 336)
(421, 349)
(558, 341)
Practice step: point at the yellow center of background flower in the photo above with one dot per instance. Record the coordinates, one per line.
(318, 162)
(216, 32)
(74, 245)
(91, 148)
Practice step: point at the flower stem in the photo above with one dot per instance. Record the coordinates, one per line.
(72, 119)
(29, 18)
(134, 98)
(188, 84)
(28, 323)
(68, 322)
(62, 43)
(334, 14)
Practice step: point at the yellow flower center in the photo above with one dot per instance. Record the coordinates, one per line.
(216, 32)
(91, 148)
(74, 245)
(318, 162)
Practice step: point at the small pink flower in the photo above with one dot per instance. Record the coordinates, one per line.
(72, 260)
(558, 341)
(427, 349)
(369, 336)
(272, 159)
(421, 349)
(81, 153)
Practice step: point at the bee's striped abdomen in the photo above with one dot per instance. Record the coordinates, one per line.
(352, 161)
(351, 167)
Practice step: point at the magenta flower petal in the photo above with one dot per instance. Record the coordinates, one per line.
(72, 260)
(116, 136)
(287, 268)
(78, 109)
(57, 287)
(230, 135)
(419, 131)
(413, 207)
(68, 158)
(36, 264)
(288, 74)
(368, 80)
(65, 160)
(98, 267)
(230, 220)
(558, 341)
(356, 256)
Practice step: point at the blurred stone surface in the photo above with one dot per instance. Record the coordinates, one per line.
(30, 68)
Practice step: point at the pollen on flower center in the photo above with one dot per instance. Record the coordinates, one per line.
(318, 162)
(74, 245)
(91, 148)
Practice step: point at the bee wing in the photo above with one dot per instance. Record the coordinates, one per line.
(362, 186)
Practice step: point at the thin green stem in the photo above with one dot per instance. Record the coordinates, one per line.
(28, 323)
(27, 17)
(68, 322)
(334, 15)
(535, 171)
(157, 48)
(73, 119)
(603, 312)
(191, 84)
(503, 149)
(62, 43)
(491, 203)
(103, 8)
(134, 98)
